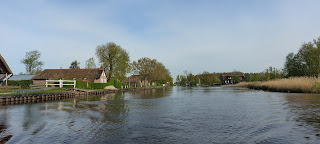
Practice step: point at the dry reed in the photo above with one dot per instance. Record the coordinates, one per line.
(294, 84)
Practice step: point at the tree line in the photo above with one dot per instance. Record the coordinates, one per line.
(306, 62)
(211, 79)
(115, 60)
(204, 79)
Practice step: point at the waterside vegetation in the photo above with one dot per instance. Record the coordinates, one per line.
(301, 71)
(291, 85)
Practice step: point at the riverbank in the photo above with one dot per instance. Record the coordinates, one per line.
(289, 85)
(63, 94)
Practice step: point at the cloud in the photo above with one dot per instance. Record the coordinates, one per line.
(197, 36)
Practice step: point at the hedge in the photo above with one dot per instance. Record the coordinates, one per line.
(25, 84)
(85, 85)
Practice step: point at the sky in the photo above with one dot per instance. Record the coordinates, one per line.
(192, 35)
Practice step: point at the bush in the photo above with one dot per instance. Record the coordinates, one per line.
(84, 85)
(25, 84)
(316, 87)
(81, 85)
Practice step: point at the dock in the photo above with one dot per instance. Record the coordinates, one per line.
(42, 97)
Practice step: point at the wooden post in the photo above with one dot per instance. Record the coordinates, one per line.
(74, 86)
(60, 83)
(6, 81)
(46, 83)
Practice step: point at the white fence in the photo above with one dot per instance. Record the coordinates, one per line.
(61, 83)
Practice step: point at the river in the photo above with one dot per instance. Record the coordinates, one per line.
(170, 115)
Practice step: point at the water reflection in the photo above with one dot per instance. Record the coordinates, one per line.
(151, 94)
(4, 136)
(305, 109)
(168, 115)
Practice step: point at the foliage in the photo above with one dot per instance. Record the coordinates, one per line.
(90, 63)
(294, 65)
(152, 70)
(237, 79)
(144, 67)
(316, 87)
(25, 84)
(204, 79)
(75, 65)
(114, 58)
(88, 85)
(209, 79)
(32, 63)
(306, 62)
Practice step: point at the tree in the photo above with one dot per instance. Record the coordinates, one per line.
(151, 70)
(90, 63)
(295, 65)
(75, 65)
(114, 58)
(160, 72)
(144, 67)
(32, 62)
(178, 79)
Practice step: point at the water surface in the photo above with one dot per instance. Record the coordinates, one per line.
(171, 115)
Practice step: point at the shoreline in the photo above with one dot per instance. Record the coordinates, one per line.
(43, 97)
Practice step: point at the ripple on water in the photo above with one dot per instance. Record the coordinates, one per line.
(178, 115)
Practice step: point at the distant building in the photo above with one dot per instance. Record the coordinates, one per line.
(21, 77)
(136, 81)
(5, 71)
(97, 75)
(230, 78)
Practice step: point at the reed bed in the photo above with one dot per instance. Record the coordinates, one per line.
(294, 84)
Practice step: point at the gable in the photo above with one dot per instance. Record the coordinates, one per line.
(4, 68)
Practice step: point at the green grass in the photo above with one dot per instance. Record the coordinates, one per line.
(55, 90)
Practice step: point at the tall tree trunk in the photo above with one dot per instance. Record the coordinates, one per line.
(111, 70)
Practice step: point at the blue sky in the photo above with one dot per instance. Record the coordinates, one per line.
(193, 35)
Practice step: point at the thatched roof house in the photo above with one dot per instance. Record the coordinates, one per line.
(5, 71)
(97, 75)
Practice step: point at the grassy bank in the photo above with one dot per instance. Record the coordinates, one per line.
(294, 85)
(54, 90)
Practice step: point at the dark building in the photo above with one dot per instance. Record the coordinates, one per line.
(232, 78)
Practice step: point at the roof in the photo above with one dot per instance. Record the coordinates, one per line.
(21, 77)
(80, 74)
(233, 74)
(4, 68)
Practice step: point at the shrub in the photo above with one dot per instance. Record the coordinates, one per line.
(85, 85)
(316, 87)
(25, 84)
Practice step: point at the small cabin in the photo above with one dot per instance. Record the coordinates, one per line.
(97, 75)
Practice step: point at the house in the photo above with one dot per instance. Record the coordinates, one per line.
(136, 81)
(232, 78)
(97, 75)
(5, 71)
(21, 77)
